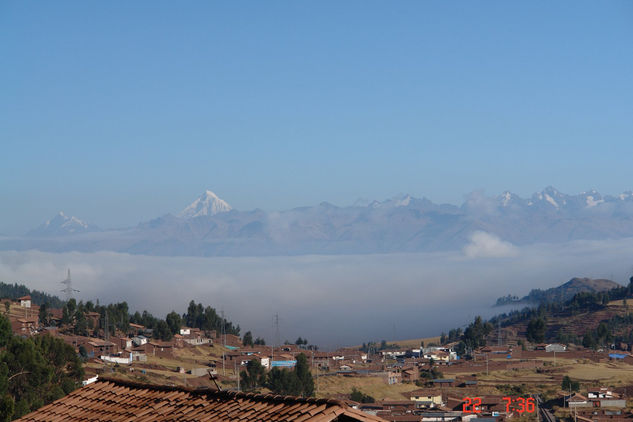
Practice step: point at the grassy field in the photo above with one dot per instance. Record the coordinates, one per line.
(611, 373)
(415, 343)
(373, 386)
(163, 370)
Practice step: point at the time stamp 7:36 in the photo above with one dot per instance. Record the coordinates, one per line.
(513, 404)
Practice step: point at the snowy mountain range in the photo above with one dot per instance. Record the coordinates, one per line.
(210, 227)
(61, 224)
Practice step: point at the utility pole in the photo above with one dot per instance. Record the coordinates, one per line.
(277, 337)
(106, 331)
(272, 344)
(486, 364)
(317, 369)
(499, 332)
(223, 334)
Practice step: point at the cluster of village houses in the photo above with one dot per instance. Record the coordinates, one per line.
(441, 399)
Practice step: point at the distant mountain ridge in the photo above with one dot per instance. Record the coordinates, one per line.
(562, 293)
(61, 225)
(209, 226)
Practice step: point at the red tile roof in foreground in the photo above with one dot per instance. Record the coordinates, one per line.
(110, 400)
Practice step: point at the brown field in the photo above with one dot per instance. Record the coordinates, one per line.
(610, 373)
(374, 386)
(415, 343)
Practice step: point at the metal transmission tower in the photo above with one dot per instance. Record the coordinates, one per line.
(69, 287)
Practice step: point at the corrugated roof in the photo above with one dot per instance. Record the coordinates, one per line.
(113, 400)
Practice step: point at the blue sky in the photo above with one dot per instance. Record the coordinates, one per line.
(119, 112)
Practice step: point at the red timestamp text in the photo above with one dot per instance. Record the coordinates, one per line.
(513, 404)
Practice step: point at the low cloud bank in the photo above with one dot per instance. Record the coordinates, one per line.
(486, 245)
(331, 300)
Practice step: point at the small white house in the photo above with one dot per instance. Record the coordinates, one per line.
(139, 340)
(126, 343)
(599, 393)
(197, 341)
(185, 331)
(90, 380)
(25, 301)
(199, 372)
(555, 347)
(118, 358)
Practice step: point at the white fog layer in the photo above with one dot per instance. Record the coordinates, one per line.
(331, 300)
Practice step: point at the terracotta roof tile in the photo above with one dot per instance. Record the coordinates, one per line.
(110, 400)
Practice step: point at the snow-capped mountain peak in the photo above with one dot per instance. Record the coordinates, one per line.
(71, 224)
(592, 198)
(508, 198)
(62, 224)
(368, 227)
(404, 201)
(551, 196)
(627, 195)
(205, 205)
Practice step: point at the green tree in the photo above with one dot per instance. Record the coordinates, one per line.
(174, 322)
(14, 291)
(7, 404)
(283, 381)
(588, 340)
(360, 397)
(162, 331)
(302, 371)
(569, 385)
(603, 333)
(6, 334)
(43, 314)
(66, 317)
(207, 319)
(248, 339)
(254, 376)
(34, 372)
(476, 332)
(460, 349)
(536, 330)
(296, 382)
(81, 324)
